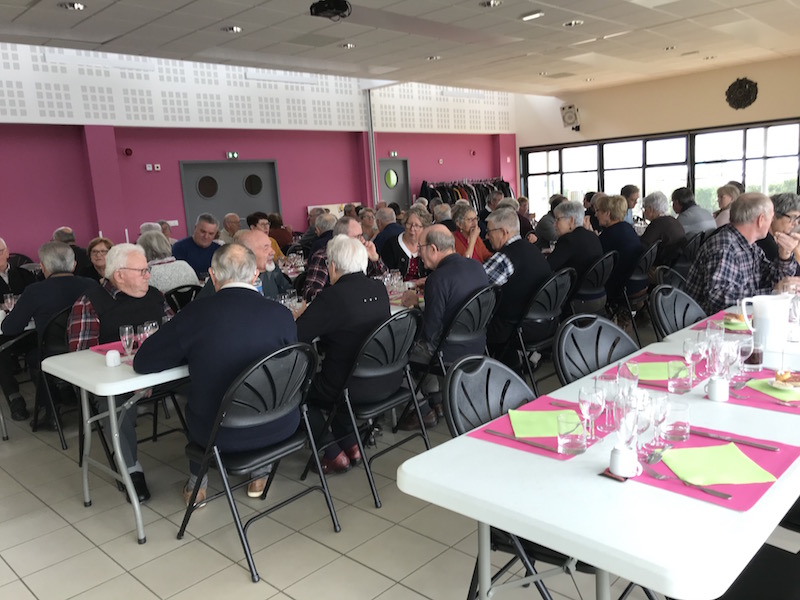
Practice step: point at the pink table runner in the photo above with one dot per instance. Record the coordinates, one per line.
(648, 357)
(700, 325)
(503, 425)
(744, 496)
(751, 397)
(104, 348)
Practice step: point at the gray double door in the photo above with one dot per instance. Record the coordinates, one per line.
(220, 187)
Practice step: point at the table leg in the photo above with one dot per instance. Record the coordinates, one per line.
(123, 468)
(87, 446)
(602, 582)
(484, 561)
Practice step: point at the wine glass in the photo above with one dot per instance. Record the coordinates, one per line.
(692, 353)
(659, 404)
(628, 376)
(127, 337)
(609, 384)
(591, 402)
(625, 416)
(9, 301)
(644, 419)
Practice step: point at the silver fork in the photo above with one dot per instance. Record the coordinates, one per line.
(656, 475)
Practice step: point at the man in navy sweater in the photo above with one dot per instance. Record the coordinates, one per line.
(198, 248)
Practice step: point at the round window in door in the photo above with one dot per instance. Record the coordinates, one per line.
(207, 186)
(253, 185)
(390, 177)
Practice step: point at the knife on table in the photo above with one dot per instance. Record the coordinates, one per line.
(521, 441)
(735, 440)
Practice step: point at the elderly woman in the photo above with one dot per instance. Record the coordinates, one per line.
(166, 272)
(368, 228)
(467, 234)
(341, 317)
(663, 227)
(402, 252)
(725, 197)
(97, 250)
(786, 218)
(546, 230)
(577, 247)
(620, 236)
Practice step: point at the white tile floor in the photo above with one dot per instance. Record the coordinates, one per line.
(53, 548)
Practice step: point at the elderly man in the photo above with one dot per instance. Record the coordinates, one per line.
(631, 195)
(388, 227)
(663, 227)
(244, 327)
(443, 215)
(310, 234)
(125, 298)
(67, 235)
(198, 248)
(731, 266)
(341, 317)
(694, 219)
(317, 275)
(349, 210)
(524, 224)
(231, 223)
(518, 268)
(324, 228)
(494, 199)
(577, 247)
(12, 281)
(546, 229)
(41, 301)
(167, 231)
(259, 220)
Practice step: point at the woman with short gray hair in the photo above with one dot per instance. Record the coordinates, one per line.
(785, 219)
(663, 227)
(166, 272)
(577, 247)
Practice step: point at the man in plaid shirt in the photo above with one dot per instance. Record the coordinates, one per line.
(730, 266)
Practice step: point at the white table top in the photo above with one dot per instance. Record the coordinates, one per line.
(88, 370)
(673, 544)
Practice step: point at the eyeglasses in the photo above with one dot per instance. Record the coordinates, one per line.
(792, 219)
(488, 231)
(141, 272)
(414, 226)
(471, 219)
(99, 252)
(421, 246)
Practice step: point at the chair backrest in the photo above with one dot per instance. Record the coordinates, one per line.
(15, 259)
(478, 389)
(593, 282)
(471, 320)
(672, 310)
(645, 263)
(267, 389)
(666, 275)
(54, 335)
(387, 349)
(692, 246)
(586, 343)
(547, 303)
(179, 297)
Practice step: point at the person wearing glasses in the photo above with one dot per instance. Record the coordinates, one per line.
(467, 235)
(401, 252)
(125, 298)
(97, 250)
(787, 215)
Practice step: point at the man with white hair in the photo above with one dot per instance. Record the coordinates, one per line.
(244, 327)
(41, 301)
(341, 317)
(198, 248)
(125, 298)
(443, 214)
(388, 227)
(231, 223)
(149, 226)
(310, 234)
(663, 227)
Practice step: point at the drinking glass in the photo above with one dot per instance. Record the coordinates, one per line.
(714, 329)
(755, 361)
(678, 377)
(591, 402)
(693, 353)
(628, 375)
(659, 404)
(126, 336)
(571, 434)
(625, 415)
(608, 383)
(676, 423)
(9, 301)
(644, 419)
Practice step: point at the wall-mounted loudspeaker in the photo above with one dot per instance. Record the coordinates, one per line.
(570, 116)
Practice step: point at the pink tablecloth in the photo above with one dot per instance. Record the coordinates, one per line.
(646, 357)
(744, 496)
(700, 325)
(104, 348)
(503, 425)
(751, 397)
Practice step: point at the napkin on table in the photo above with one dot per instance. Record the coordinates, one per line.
(710, 465)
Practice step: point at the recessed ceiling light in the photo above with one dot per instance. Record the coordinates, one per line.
(71, 5)
(531, 16)
(543, 73)
(589, 41)
(669, 48)
(490, 3)
(232, 29)
(588, 79)
(573, 23)
(712, 57)
(613, 35)
(435, 57)
(347, 45)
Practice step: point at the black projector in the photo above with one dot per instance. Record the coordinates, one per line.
(331, 9)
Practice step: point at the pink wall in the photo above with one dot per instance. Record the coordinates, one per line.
(463, 156)
(45, 184)
(80, 176)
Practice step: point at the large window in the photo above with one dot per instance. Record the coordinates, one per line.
(765, 157)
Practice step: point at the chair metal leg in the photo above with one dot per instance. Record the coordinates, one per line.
(633, 319)
(322, 479)
(543, 591)
(367, 468)
(3, 426)
(56, 418)
(527, 362)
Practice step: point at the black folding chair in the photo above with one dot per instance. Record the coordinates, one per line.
(668, 276)
(179, 297)
(688, 254)
(639, 279)
(672, 310)
(52, 343)
(592, 286)
(586, 343)
(477, 390)
(542, 317)
(15, 259)
(267, 390)
(385, 353)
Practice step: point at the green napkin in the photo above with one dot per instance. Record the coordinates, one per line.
(652, 371)
(763, 386)
(711, 465)
(735, 325)
(536, 423)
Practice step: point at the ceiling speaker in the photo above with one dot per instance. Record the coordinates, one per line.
(570, 116)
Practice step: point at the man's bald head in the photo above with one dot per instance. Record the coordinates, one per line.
(260, 245)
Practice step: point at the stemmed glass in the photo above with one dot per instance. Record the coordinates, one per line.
(9, 301)
(609, 384)
(127, 337)
(628, 375)
(659, 404)
(693, 354)
(591, 402)
(626, 418)
(644, 419)
(745, 350)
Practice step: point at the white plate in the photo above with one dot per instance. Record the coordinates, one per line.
(779, 385)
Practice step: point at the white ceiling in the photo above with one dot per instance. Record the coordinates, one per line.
(620, 41)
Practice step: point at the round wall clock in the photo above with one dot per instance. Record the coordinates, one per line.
(741, 93)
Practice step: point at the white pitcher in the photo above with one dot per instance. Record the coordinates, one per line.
(770, 322)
